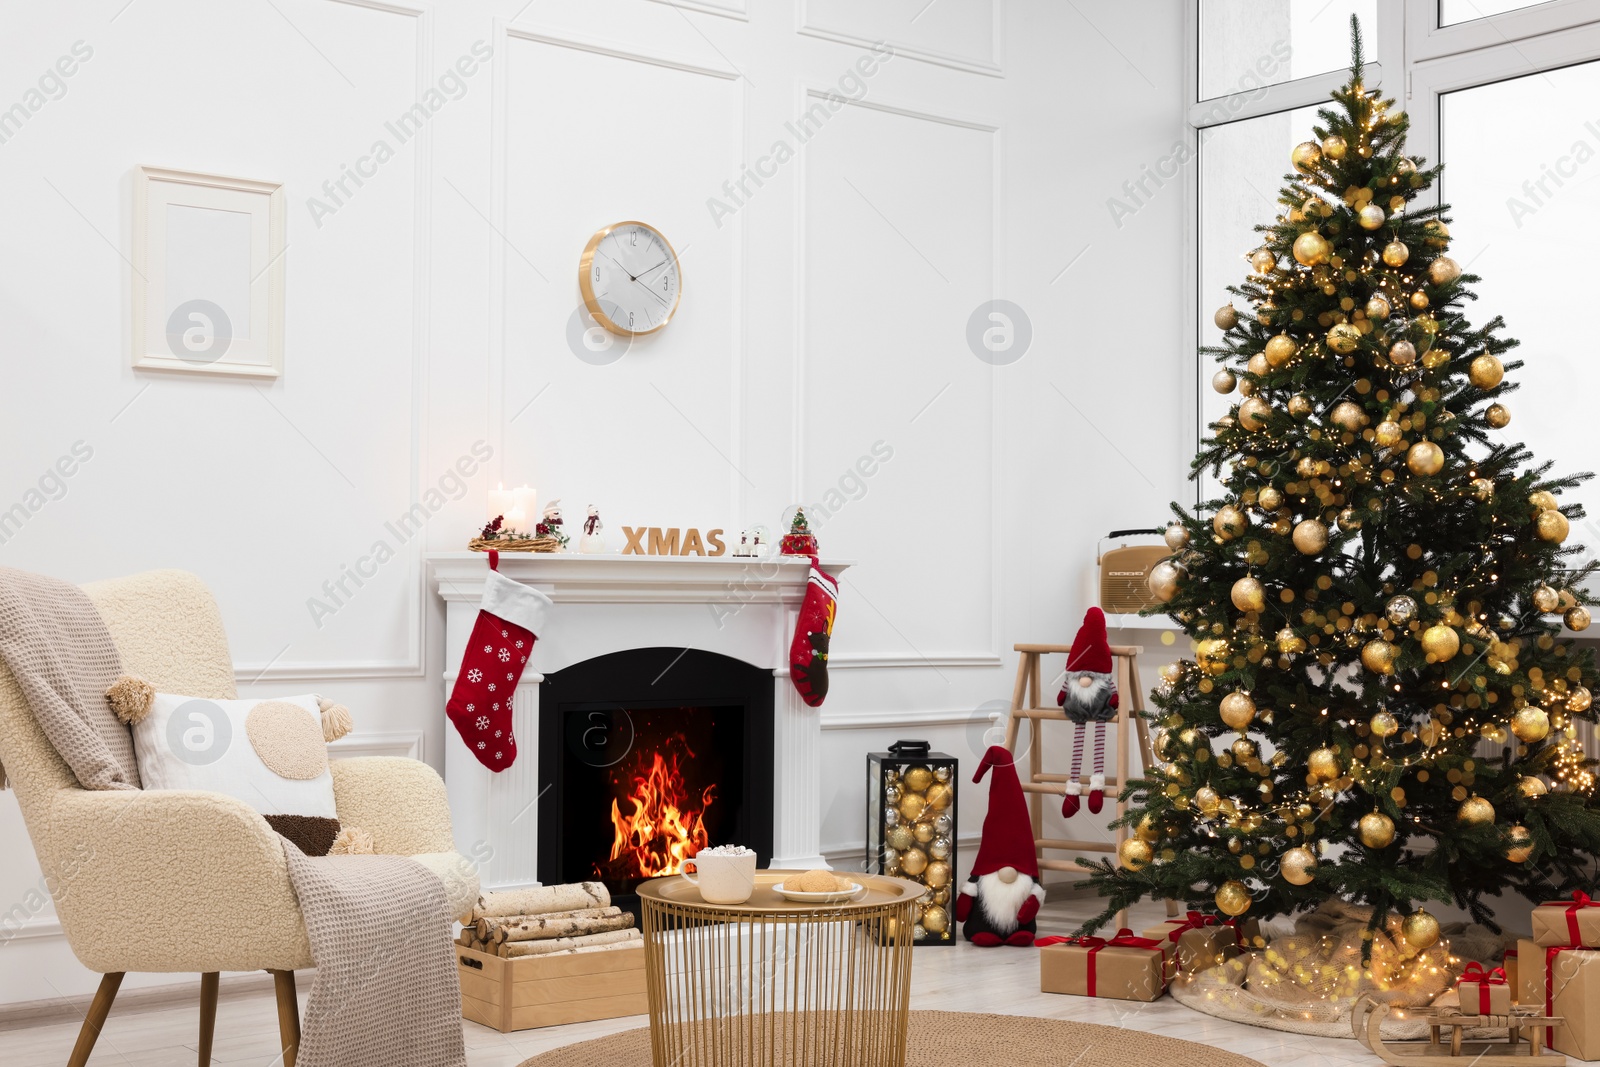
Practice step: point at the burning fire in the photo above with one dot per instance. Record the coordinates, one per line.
(663, 829)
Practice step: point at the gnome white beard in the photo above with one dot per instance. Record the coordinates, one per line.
(1087, 698)
(1001, 901)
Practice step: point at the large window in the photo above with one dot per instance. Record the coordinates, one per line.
(1306, 37)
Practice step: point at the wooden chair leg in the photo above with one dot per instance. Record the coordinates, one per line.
(208, 1014)
(288, 1015)
(99, 1008)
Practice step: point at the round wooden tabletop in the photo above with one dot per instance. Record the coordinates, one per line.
(882, 892)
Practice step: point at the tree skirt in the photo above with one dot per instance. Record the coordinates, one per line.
(960, 1039)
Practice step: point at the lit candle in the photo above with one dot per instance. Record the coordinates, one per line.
(515, 518)
(526, 501)
(499, 502)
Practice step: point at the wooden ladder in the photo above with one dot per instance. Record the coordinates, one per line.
(1028, 702)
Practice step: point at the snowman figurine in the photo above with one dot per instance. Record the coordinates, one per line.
(591, 542)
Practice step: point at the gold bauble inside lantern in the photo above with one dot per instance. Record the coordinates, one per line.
(1519, 843)
(1163, 580)
(1475, 811)
(1229, 522)
(1486, 371)
(1253, 413)
(1226, 317)
(1298, 866)
(923, 831)
(1333, 146)
(1323, 763)
(1400, 609)
(1443, 271)
(1263, 261)
(913, 861)
(911, 806)
(1347, 415)
(1305, 155)
(938, 874)
(1497, 416)
(1383, 724)
(1552, 526)
(1440, 643)
(1376, 830)
(1233, 898)
(1344, 338)
(918, 779)
(1310, 537)
(1290, 642)
(1176, 537)
(1378, 307)
(1371, 216)
(1530, 787)
(1312, 249)
(1249, 595)
(939, 796)
(1299, 405)
(1269, 499)
(1395, 253)
(1577, 618)
(1224, 381)
(1425, 458)
(1279, 350)
(1419, 929)
(1386, 434)
(1378, 656)
(898, 837)
(1531, 724)
(1237, 710)
(935, 919)
(1402, 353)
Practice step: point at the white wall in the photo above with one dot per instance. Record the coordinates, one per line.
(427, 312)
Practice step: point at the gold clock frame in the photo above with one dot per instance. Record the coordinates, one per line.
(586, 284)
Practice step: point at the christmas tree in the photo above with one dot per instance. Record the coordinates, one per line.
(1377, 594)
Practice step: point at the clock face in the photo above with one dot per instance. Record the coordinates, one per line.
(630, 278)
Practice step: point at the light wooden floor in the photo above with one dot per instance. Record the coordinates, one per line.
(961, 978)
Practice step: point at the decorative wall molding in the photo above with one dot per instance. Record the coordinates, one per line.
(892, 661)
(407, 743)
(991, 66)
(39, 926)
(899, 717)
(728, 9)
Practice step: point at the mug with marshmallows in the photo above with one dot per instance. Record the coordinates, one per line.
(724, 875)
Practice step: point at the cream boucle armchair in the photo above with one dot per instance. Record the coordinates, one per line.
(184, 880)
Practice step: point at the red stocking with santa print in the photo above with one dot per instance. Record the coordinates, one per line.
(808, 652)
(510, 618)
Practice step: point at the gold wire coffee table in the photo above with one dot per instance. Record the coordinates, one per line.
(772, 982)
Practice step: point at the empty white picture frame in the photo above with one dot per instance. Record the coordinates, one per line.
(207, 274)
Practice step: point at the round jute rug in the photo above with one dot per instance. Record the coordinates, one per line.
(960, 1039)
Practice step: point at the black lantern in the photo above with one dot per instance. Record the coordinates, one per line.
(911, 831)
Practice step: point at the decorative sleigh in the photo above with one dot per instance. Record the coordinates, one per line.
(1524, 1044)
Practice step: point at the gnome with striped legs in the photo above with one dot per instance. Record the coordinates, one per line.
(1089, 697)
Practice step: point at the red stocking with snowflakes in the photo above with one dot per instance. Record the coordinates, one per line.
(510, 618)
(808, 653)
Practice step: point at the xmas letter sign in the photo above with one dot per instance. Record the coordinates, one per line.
(654, 541)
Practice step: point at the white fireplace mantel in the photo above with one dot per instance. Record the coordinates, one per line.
(738, 607)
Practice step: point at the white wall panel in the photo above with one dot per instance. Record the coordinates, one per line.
(964, 34)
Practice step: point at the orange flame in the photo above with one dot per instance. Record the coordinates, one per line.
(663, 829)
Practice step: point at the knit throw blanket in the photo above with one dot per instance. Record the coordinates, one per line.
(386, 992)
(62, 656)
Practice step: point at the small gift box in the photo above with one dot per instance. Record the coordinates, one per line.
(1201, 940)
(1564, 982)
(1484, 992)
(1122, 968)
(1567, 923)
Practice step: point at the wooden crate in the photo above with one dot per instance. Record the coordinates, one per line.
(534, 991)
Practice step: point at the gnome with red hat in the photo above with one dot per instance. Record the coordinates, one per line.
(1002, 895)
(1089, 696)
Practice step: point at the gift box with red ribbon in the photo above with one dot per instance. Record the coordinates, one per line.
(1484, 992)
(1563, 981)
(1509, 964)
(1573, 923)
(1201, 941)
(1124, 967)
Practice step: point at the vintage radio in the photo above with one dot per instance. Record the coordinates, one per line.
(1125, 572)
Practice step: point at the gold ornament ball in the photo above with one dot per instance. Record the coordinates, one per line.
(1395, 253)
(1323, 763)
(1579, 699)
(1440, 643)
(1543, 500)
(1134, 853)
(1438, 233)
(1249, 595)
(1552, 526)
(1418, 300)
(898, 838)
(913, 861)
(1333, 146)
(1147, 831)
(1402, 353)
(1226, 317)
(1383, 724)
(1347, 415)
(938, 874)
(1386, 434)
(1443, 271)
(1498, 416)
(1270, 499)
(1299, 405)
(1237, 710)
(1475, 811)
(1405, 168)
(1419, 929)
(1577, 618)
(1378, 307)
(1344, 338)
(1310, 537)
(1371, 217)
(939, 796)
(1279, 350)
(911, 807)
(1519, 843)
(936, 920)
(1211, 655)
(1376, 830)
(1530, 725)
(918, 779)
(1378, 656)
(1163, 580)
(1233, 898)
(1253, 413)
(1298, 866)
(1486, 371)
(1223, 381)
(923, 832)
(1545, 599)
(1425, 458)
(1207, 800)
(1289, 642)
(1305, 155)
(1482, 488)
(1176, 537)
(1243, 749)
(1530, 787)
(1349, 519)
(1263, 261)
(1400, 609)
(1258, 365)
(1312, 249)
(1229, 522)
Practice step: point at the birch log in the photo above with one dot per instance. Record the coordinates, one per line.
(543, 899)
(543, 927)
(596, 948)
(513, 949)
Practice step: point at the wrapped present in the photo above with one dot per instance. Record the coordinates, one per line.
(1508, 964)
(1484, 992)
(1565, 982)
(1122, 968)
(1567, 923)
(1201, 941)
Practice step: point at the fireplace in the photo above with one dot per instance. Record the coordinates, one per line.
(649, 755)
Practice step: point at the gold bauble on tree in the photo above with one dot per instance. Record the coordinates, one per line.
(1263, 261)
(1298, 866)
(1233, 898)
(1579, 699)
(1386, 434)
(1229, 522)
(1425, 458)
(1378, 656)
(1310, 537)
(1344, 338)
(1371, 216)
(1211, 655)
(1486, 371)
(1223, 381)
(1323, 763)
(1305, 155)
(1545, 599)
(1530, 787)
(1134, 853)
(1378, 307)
(1226, 317)
(1383, 724)
(1543, 500)
(1270, 499)
(1443, 271)
(1475, 811)
(1258, 365)
(1249, 595)
(1438, 233)
(1206, 800)
(1176, 537)
(1402, 353)
(1395, 253)
(1419, 929)
(1348, 416)
(1312, 249)
(1237, 710)
(1440, 643)
(1333, 146)
(1376, 830)
(1289, 642)
(1519, 843)
(1530, 725)
(1299, 405)
(1552, 526)
(1253, 413)
(1400, 609)
(1163, 580)
(1577, 618)
(1279, 350)
(1498, 416)
(1483, 489)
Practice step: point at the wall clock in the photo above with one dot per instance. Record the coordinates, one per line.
(630, 278)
